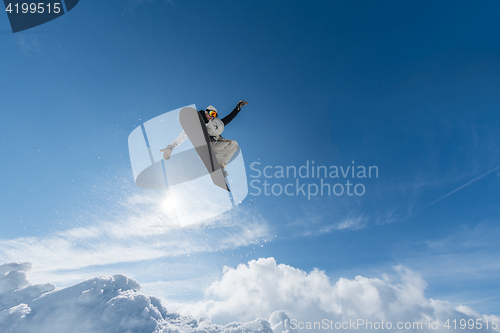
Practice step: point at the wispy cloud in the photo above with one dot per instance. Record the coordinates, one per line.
(467, 253)
(320, 218)
(467, 184)
(143, 231)
(460, 187)
(349, 223)
(28, 43)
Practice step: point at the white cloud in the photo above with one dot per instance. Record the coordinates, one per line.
(261, 287)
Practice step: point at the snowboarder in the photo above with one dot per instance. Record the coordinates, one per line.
(224, 148)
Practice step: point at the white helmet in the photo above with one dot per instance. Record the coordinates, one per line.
(211, 108)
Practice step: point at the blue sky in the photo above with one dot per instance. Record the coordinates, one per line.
(409, 87)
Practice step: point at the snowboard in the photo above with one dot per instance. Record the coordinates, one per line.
(196, 130)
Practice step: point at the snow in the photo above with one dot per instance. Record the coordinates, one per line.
(237, 302)
(101, 304)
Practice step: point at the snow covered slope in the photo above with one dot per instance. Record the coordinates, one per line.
(102, 304)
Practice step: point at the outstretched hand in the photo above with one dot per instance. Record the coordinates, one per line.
(241, 103)
(166, 152)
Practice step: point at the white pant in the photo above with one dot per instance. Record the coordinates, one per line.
(224, 150)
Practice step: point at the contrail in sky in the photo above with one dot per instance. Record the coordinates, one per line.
(470, 182)
(461, 187)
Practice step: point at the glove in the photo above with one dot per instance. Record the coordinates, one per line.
(241, 103)
(167, 152)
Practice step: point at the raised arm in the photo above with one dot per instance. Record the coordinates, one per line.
(168, 151)
(227, 119)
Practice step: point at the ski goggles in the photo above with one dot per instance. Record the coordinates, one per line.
(212, 113)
